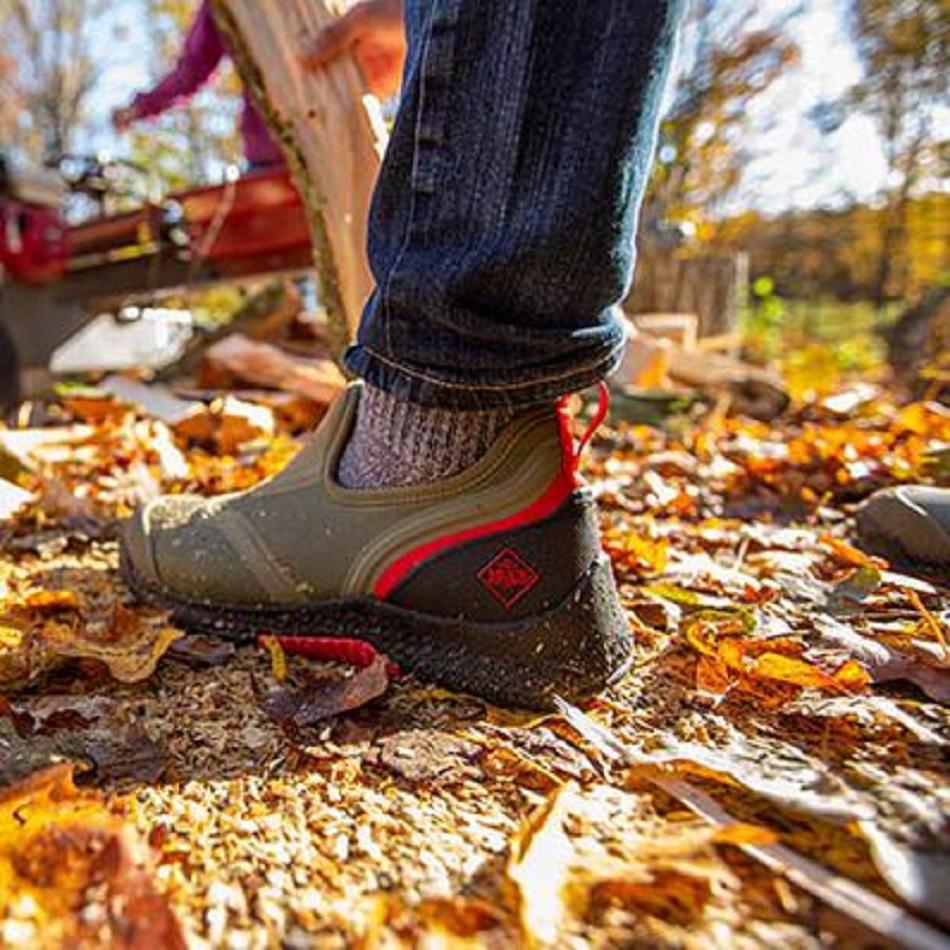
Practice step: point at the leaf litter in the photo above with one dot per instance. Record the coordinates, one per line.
(781, 774)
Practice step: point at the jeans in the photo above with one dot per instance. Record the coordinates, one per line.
(503, 222)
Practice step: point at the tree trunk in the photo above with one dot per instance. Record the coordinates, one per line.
(331, 133)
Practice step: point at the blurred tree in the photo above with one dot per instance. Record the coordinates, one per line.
(905, 47)
(702, 145)
(190, 143)
(835, 253)
(50, 73)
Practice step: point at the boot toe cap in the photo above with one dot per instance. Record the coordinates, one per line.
(909, 524)
(157, 535)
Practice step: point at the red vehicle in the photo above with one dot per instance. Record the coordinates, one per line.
(54, 278)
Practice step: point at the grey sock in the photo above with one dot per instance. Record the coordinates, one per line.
(400, 443)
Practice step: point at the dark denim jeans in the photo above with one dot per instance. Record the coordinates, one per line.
(502, 228)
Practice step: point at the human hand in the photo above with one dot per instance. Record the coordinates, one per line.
(123, 118)
(373, 31)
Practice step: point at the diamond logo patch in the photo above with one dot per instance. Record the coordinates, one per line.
(508, 577)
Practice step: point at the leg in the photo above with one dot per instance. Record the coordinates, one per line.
(437, 513)
(502, 231)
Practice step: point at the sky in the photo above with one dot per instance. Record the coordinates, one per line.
(801, 166)
(794, 165)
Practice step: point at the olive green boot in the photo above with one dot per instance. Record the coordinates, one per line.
(491, 581)
(909, 525)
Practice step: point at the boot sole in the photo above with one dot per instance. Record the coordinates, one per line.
(574, 650)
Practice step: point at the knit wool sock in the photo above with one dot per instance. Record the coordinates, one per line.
(400, 443)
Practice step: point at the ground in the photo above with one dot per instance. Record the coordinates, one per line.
(771, 770)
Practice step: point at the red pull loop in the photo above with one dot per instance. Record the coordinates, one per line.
(573, 455)
(603, 407)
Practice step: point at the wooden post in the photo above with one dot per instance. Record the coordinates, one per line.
(331, 132)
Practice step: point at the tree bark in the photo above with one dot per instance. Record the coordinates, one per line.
(331, 132)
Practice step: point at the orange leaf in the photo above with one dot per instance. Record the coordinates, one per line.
(53, 600)
(741, 833)
(851, 555)
(712, 676)
(791, 670)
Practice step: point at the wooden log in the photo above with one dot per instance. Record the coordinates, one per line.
(331, 131)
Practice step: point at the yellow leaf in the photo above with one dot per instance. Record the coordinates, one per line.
(278, 659)
(852, 676)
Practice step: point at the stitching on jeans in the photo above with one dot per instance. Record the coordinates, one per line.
(448, 384)
(414, 175)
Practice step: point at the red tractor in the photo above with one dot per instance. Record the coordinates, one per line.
(54, 278)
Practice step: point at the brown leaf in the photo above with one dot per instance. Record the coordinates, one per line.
(51, 712)
(672, 895)
(127, 754)
(327, 696)
(200, 652)
(450, 920)
(130, 646)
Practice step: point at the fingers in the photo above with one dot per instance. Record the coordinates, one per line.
(336, 38)
(122, 119)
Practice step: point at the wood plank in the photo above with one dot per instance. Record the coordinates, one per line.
(331, 131)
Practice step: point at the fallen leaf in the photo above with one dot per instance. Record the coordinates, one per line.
(324, 697)
(138, 641)
(278, 659)
(867, 709)
(883, 662)
(457, 922)
(672, 895)
(129, 646)
(96, 408)
(200, 652)
(851, 555)
(801, 673)
(50, 712)
(859, 585)
(538, 867)
(126, 753)
(73, 873)
(935, 683)
(51, 601)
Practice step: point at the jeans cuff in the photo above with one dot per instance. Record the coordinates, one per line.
(406, 384)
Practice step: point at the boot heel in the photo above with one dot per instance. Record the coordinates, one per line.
(573, 650)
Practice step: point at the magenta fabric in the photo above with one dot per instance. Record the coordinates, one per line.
(204, 49)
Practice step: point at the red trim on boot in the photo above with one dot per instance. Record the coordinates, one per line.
(543, 507)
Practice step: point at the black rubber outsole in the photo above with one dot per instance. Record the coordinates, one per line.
(574, 650)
